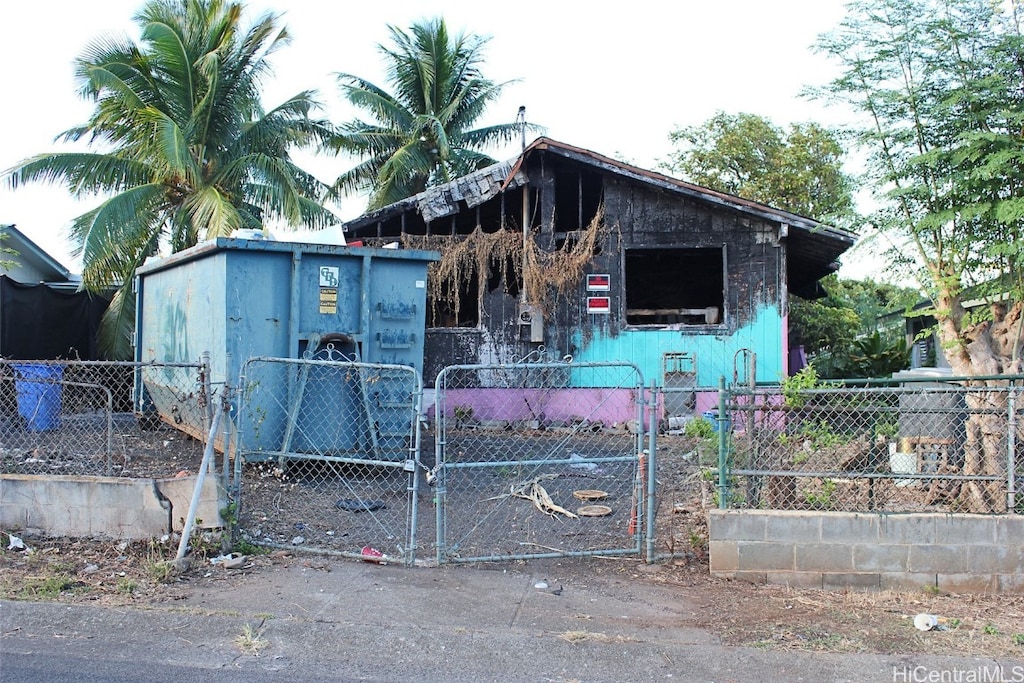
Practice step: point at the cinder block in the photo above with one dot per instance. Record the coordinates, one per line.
(950, 559)
(842, 527)
(1010, 583)
(907, 528)
(966, 529)
(803, 527)
(766, 556)
(751, 577)
(724, 556)
(906, 581)
(823, 557)
(870, 557)
(1009, 529)
(857, 580)
(795, 579)
(968, 583)
(737, 525)
(995, 559)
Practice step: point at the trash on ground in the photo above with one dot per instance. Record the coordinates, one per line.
(371, 554)
(15, 543)
(577, 463)
(229, 561)
(590, 494)
(593, 510)
(930, 622)
(541, 585)
(356, 505)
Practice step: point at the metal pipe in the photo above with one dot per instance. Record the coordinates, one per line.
(190, 518)
(652, 462)
(722, 446)
(1011, 450)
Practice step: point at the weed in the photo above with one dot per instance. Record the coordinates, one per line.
(47, 587)
(794, 387)
(251, 640)
(700, 428)
(990, 630)
(930, 589)
(161, 571)
(1018, 639)
(824, 498)
(246, 547)
(126, 586)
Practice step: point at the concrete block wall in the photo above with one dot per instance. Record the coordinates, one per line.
(838, 550)
(103, 507)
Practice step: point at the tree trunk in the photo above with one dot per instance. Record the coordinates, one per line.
(989, 348)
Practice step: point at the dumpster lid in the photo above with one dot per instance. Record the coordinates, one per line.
(223, 244)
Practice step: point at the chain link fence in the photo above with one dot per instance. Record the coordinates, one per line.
(328, 455)
(539, 459)
(102, 418)
(950, 446)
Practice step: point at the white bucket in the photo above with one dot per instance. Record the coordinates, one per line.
(902, 463)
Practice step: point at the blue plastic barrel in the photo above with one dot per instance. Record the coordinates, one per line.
(38, 388)
(712, 417)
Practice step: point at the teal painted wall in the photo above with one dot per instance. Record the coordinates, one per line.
(715, 354)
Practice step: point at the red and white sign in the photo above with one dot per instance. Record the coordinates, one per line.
(599, 304)
(598, 283)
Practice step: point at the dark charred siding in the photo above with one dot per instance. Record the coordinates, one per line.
(651, 219)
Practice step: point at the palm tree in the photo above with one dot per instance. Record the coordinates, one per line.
(422, 134)
(184, 149)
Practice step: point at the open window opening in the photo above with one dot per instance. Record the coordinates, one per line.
(674, 286)
(578, 198)
(460, 310)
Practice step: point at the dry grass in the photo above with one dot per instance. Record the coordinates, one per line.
(577, 637)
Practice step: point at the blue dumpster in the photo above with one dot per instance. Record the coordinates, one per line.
(246, 298)
(38, 388)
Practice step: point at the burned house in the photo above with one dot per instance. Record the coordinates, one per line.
(599, 260)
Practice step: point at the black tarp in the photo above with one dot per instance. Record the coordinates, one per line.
(38, 322)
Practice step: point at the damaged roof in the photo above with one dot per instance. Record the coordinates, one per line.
(815, 244)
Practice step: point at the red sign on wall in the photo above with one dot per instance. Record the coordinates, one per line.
(599, 304)
(598, 283)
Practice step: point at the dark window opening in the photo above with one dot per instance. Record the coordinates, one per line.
(577, 199)
(674, 287)
(461, 312)
(503, 275)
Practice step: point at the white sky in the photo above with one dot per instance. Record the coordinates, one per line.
(612, 78)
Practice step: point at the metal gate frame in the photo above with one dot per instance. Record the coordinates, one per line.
(523, 435)
(333, 414)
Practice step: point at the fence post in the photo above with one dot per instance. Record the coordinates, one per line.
(723, 446)
(652, 464)
(1011, 449)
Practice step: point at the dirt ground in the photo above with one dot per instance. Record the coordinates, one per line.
(768, 617)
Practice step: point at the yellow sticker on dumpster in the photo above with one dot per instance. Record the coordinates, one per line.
(328, 300)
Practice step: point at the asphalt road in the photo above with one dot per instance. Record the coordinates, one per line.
(351, 621)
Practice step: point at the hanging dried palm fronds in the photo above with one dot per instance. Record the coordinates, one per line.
(559, 272)
(464, 257)
(481, 255)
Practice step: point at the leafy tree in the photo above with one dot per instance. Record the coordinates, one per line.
(184, 149)
(421, 133)
(840, 331)
(939, 83)
(6, 263)
(748, 156)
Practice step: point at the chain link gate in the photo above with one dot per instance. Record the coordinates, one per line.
(328, 453)
(540, 459)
